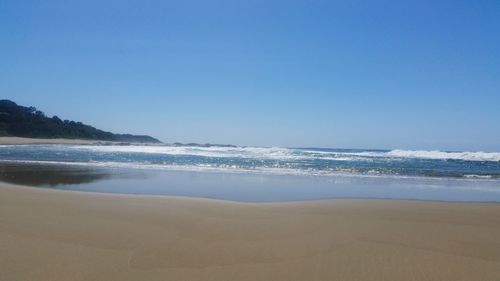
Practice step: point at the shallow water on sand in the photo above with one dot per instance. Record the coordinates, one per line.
(243, 186)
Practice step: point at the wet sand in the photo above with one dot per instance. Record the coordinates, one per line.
(64, 235)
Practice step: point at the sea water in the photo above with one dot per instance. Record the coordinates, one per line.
(256, 173)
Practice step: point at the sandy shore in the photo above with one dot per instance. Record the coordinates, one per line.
(59, 235)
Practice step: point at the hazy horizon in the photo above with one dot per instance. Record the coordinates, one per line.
(418, 75)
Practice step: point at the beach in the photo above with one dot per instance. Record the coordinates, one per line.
(250, 141)
(65, 235)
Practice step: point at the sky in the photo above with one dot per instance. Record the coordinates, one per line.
(353, 74)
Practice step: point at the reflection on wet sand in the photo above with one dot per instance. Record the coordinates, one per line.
(50, 175)
(242, 187)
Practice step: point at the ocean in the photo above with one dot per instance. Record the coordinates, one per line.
(258, 173)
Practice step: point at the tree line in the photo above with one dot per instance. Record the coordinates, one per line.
(29, 122)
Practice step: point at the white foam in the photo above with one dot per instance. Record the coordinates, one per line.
(436, 154)
(276, 153)
(478, 176)
(343, 173)
(285, 154)
(421, 154)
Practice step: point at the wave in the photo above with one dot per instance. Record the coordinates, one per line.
(227, 168)
(442, 155)
(201, 168)
(278, 153)
(415, 154)
(309, 161)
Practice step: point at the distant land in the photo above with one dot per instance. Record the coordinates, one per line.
(29, 122)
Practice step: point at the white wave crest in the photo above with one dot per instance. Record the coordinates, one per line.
(278, 153)
(436, 154)
(275, 153)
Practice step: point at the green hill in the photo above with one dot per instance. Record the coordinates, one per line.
(28, 122)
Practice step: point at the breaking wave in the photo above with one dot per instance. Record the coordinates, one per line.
(304, 161)
(279, 153)
(436, 154)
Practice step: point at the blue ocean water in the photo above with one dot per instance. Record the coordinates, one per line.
(268, 173)
(275, 160)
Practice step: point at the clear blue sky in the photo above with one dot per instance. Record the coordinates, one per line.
(372, 74)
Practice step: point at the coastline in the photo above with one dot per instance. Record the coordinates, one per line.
(66, 235)
(19, 140)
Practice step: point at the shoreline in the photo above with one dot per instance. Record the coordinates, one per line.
(216, 200)
(41, 141)
(70, 235)
(21, 141)
(237, 187)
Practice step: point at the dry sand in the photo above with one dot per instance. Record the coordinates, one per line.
(63, 235)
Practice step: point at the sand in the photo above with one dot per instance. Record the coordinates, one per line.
(64, 235)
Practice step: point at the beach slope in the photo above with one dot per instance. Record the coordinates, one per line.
(61, 235)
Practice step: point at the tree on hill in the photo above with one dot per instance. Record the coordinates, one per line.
(29, 122)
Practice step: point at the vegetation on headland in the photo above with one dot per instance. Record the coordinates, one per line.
(29, 122)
